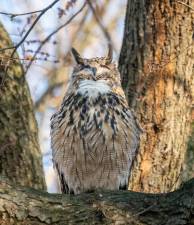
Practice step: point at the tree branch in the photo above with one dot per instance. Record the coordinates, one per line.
(53, 33)
(183, 3)
(48, 92)
(20, 155)
(12, 15)
(104, 30)
(28, 206)
(42, 12)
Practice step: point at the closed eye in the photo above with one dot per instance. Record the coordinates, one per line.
(105, 66)
(103, 70)
(83, 67)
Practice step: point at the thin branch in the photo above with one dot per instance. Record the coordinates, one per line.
(27, 59)
(186, 5)
(53, 33)
(26, 35)
(80, 26)
(104, 30)
(52, 86)
(30, 29)
(32, 26)
(13, 15)
(47, 93)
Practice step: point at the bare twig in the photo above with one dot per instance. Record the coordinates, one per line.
(52, 86)
(27, 59)
(80, 26)
(104, 30)
(53, 33)
(30, 29)
(13, 15)
(26, 35)
(186, 5)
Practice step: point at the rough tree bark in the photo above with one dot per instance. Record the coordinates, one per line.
(188, 168)
(20, 156)
(20, 206)
(156, 64)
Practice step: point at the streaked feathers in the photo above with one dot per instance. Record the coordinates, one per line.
(94, 135)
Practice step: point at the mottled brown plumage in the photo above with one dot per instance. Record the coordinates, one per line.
(94, 135)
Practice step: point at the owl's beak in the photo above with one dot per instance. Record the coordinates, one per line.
(94, 73)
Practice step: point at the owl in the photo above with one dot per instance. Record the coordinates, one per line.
(94, 134)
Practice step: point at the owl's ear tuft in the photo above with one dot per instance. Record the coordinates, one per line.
(77, 57)
(110, 54)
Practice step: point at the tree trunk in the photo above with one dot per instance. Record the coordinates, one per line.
(21, 206)
(156, 64)
(20, 156)
(188, 168)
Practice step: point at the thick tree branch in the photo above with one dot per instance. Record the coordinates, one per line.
(28, 206)
(20, 155)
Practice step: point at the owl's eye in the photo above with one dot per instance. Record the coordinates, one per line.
(105, 66)
(93, 69)
(87, 67)
(82, 67)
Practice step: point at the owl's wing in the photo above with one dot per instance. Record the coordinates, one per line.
(54, 140)
(119, 137)
(63, 184)
(92, 141)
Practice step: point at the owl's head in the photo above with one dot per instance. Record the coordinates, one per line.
(94, 76)
(94, 69)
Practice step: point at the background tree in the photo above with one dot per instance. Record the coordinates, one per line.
(20, 156)
(156, 64)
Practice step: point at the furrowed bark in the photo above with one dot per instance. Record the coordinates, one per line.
(20, 156)
(156, 64)
(21, 206)
(188, 167)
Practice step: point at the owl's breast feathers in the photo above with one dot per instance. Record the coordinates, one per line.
(94, 138)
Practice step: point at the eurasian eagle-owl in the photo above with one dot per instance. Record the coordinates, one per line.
(94, 134)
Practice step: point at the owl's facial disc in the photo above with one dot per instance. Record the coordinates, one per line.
(93, 72)
(89, 71)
